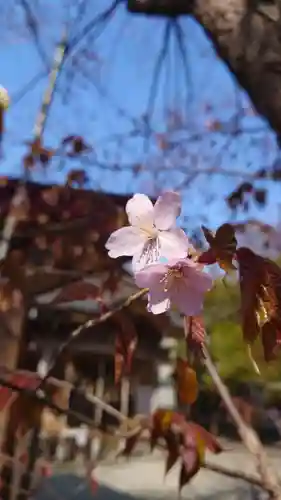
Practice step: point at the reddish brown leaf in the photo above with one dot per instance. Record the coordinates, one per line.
(77, 177)
(250, 282)
(125, 345)
(271, 339)
(190, 465)
(260, 285)
(186, 382)
(76, 145)
(207, 258)
(207, 438)
(223, 246)
(173, 451)
(161, 421)
(195, 336)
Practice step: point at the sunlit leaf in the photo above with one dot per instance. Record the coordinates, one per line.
(190, 465)
(203, 438)
(260, 286)
(186, 382)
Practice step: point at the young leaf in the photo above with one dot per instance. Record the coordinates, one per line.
(190, 464)
(203, 436)
(222, 249)
(194, 329)
(161, 421)
(186, 382)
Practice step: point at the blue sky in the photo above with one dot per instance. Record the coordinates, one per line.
(108, 102)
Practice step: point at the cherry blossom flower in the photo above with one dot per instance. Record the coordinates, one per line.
(180, 283)
(152, 232)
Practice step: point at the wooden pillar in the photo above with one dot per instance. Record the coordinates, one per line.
(125, 395)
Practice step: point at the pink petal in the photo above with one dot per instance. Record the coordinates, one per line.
(188, 300)
(166, 209)
(140, 211)
(125, 241)
(174, 244)
(204, 281)
(151, 276)
(158, 306)
(193, 273)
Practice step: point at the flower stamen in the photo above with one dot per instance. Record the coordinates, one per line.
(170, 276)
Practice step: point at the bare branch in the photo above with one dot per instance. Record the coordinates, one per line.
(244, 476)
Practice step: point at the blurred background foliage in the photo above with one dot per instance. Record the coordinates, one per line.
(222, 316)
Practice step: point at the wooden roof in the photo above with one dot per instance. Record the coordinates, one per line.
(57, 256)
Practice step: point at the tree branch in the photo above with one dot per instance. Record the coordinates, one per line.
(246, 36)
(250, 478)
(248, 435)
(244, 476)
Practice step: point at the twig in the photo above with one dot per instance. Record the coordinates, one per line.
(244, 476)
(248, 435)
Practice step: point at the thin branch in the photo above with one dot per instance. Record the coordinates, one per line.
(59, 58)
(30, 85)
(244, 476)
(32, 24)
(247, 434)
(100, 19)
(155, 79)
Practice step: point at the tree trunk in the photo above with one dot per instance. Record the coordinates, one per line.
(248, 39)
